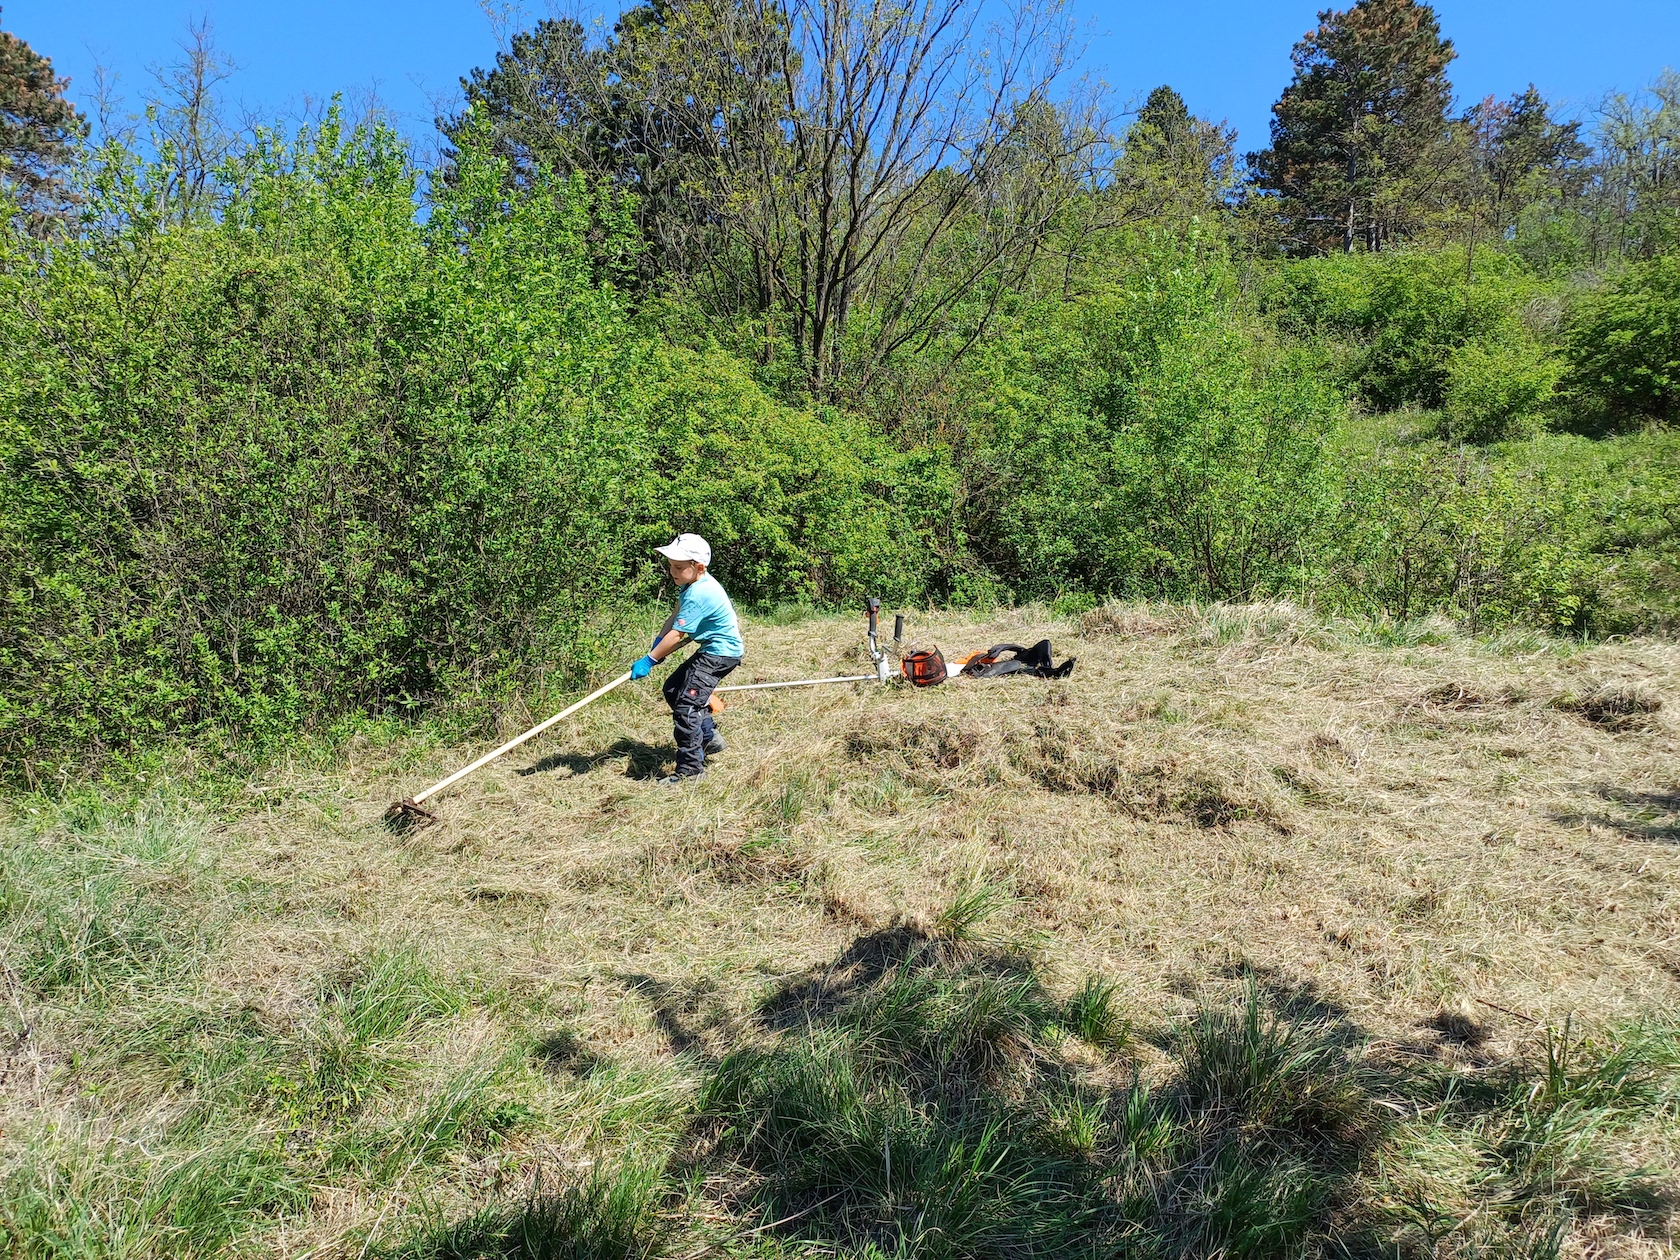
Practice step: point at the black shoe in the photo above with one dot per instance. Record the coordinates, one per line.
(715, 746)
(677, 780)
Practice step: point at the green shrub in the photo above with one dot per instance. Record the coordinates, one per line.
(1624, 346)
(1490, 542)
(1499, 388)
(799, 504)
(1402, 316)
(313, 456)
(1135, 444)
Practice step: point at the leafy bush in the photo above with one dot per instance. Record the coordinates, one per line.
(1624, 345)
(1499, 388)
(1626, 524)
(1131, 444)
(1433, 527)
(1403, 315)
(313, 456)
(799, 504)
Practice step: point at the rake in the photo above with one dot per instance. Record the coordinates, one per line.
(410, 813)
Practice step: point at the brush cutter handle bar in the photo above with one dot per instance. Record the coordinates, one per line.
(803, 682)
(517, 740)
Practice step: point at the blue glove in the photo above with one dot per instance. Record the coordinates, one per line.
(642, 668)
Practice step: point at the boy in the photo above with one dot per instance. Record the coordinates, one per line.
(705, 615)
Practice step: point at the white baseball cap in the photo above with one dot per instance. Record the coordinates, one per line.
(687, 547)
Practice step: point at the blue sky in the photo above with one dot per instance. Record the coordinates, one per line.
(1229, 58)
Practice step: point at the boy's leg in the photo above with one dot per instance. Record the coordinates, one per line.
(681, 714)
(674, 685)
(690, 712)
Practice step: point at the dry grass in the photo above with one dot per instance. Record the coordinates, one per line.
(1444, 843)
(1405, 828)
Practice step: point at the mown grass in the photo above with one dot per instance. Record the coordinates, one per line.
(1268, 938)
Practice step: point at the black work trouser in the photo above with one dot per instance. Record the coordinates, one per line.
(688, 691)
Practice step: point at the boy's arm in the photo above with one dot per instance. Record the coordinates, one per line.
(669, 642)
(666, 628)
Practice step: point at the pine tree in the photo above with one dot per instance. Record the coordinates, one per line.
(1175, 164)
(38, 128)
(615, 109)
(542, 98)
(1359, 135)
(1521, 152)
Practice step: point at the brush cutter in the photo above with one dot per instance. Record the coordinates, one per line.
(876, 654)
(409, 813)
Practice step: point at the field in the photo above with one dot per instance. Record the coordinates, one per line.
(1262, 935)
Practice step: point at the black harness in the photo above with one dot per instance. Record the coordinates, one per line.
(1012, 658)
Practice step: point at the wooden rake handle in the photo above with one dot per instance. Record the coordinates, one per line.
(517, 740)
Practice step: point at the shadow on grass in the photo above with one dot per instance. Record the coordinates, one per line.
(610, 1214)
(1649, 815)
(645, 760)
(561, 1051)
(926, 1096)
(688, 1013)
(1294, 997)
(920, 1102)
(824, 990)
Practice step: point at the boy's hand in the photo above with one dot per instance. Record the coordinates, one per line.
(642, 668)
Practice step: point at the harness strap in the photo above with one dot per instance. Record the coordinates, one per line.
(1036, 660)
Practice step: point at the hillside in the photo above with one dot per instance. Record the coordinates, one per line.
(1259, 932)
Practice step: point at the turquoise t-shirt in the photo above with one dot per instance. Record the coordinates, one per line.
(705, 615)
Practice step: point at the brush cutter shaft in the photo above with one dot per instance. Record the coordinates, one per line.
(803, 682)
(517, 740)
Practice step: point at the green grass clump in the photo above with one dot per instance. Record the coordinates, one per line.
(931, 1114)
(96, 905)
(1509, 1162)
(612, 1214)
(80, 1197)
(1283, 1076)
(1093, 1015)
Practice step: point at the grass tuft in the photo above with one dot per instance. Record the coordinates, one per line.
(961, 919)
(1094, 1017)
(611, 1214)
(1263, 1072)
(1614, 706)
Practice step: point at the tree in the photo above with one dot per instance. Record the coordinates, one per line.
(188, 128)
(805, 161)
(891, 167)
(1174, 164)
(1359, 136)
(1638, 177)
(1517, 145)
(38, 128)
(618, 110)
(1513, 155)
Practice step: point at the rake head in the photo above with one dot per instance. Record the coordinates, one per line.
(408, 815)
